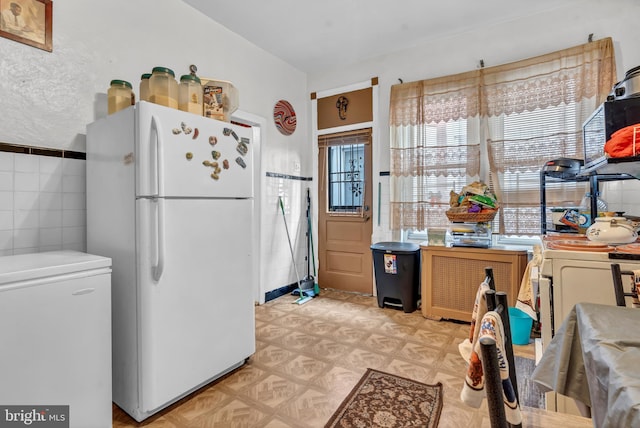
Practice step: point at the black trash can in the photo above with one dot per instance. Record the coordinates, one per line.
(397, 270)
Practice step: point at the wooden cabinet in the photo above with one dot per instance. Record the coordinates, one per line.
(451, 277)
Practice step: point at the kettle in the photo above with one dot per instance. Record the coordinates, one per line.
(612, 230)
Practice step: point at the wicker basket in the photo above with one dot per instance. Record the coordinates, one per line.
(460, 215)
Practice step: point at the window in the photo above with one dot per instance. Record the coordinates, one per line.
(345, 170)
(498, 124)
(346, 178)
(538, 136)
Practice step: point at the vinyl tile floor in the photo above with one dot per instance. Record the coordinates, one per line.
(308, 357)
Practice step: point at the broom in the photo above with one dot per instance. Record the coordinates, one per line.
(308, 282)
(303, 297)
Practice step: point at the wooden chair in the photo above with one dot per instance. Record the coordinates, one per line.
(493, 383)
(533, 418)
(497, 301)
(618, 287)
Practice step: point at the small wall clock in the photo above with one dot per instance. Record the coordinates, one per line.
(284, 116)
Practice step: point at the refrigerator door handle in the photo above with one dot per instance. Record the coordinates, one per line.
(83, 291)
(157, 144)
(157, 177)
(159, 240)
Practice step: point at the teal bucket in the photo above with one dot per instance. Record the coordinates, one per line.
(521, 324)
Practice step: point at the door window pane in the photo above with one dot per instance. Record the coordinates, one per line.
(346, 178)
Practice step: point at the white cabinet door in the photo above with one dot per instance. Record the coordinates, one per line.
(196, 316)
(183, 164)
(56, 346)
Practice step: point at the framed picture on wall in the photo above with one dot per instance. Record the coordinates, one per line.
(27, 21)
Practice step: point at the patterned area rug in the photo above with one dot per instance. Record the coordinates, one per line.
(385, 400)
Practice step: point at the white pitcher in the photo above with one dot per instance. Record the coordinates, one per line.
(612, 230)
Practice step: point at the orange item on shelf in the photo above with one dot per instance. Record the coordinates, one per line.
(624, 142)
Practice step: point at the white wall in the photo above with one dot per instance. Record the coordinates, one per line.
(498, 44)
(47, 99)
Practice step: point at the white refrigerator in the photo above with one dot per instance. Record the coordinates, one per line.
(170, 201)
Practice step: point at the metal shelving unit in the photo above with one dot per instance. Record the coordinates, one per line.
(607, 169)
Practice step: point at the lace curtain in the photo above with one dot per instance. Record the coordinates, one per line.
(500, 124)
(430, 150)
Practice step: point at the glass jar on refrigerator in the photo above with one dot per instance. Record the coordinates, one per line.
(119, 96)
(190, 94)
(144, 86)
(163, 88)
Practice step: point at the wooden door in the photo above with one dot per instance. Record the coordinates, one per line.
(344, 214)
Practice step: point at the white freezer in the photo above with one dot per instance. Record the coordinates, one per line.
(181, 244)
(55, 330)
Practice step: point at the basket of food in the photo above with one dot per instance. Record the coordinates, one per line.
(476, 203)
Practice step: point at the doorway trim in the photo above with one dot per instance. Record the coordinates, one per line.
(259, 126)
(375, 131)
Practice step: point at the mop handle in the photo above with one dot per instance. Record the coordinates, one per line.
(293, 260)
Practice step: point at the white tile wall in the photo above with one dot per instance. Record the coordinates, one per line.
(622, 196)
(42, 203)
(277, 269)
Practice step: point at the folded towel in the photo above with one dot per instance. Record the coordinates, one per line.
(527, 295)
(473, 388)
(479, 310)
